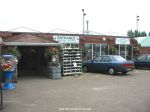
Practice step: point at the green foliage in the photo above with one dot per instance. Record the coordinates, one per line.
(130, 33)
(51, 52)
(12, 51)
(49, 55)
(84, 52)
(136, 33)
(149, 34)
(112, 50)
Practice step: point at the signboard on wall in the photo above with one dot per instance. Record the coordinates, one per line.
(66, 39)
(122, 41)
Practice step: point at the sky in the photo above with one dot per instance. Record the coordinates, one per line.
(104, 16)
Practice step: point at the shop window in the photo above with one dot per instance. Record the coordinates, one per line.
(96, 50)
(87, 51)
(124, 51)
(91, 51)
(104, 49)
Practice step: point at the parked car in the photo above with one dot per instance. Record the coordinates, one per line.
(108, 63)
(142, 61)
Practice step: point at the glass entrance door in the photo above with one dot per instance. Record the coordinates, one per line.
(124, 51)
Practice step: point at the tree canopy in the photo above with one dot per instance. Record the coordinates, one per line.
(137, 33)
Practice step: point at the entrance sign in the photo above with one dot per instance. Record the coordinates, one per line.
(66, 39)
(122, 41)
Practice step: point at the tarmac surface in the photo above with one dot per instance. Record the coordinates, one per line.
(89, 92)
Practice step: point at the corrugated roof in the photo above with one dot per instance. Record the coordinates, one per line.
(145, 42)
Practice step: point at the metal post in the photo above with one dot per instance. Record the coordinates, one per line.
(132, 51)
(119, 50)
(1, 89)
(108, 50)
(100, 49)
(87, 26)
(125, 51)
(92, 52)
(83, 19)
(137, 20)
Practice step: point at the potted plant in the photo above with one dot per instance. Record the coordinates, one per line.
(12, 51)
(54, 69)
(50, 53)
(8, 66)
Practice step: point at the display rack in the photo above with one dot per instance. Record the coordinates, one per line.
(71, 59)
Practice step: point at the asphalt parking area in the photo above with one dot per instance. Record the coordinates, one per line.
(89, 92)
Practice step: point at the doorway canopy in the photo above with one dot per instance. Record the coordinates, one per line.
(29, 40)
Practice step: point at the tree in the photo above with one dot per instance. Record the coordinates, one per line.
(143, 34)
(149, 34)
(130, 33)
(136, 33)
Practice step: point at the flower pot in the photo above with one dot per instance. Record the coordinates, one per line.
(8, 75)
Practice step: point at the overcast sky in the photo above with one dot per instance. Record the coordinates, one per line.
(104, 16)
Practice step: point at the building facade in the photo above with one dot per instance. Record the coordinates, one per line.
(144, 43)
(33, 47)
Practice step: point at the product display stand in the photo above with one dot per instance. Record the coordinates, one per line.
(71, 59)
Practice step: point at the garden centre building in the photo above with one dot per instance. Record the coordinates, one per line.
(33, 48)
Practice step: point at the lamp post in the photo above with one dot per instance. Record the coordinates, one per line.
(136, 32)
(83, 19)
(137, 20)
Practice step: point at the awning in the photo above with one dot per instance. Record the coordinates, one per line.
(29, 40)
(30, 44)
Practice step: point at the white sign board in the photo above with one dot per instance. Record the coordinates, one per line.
(122, 41)
(66, 39)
